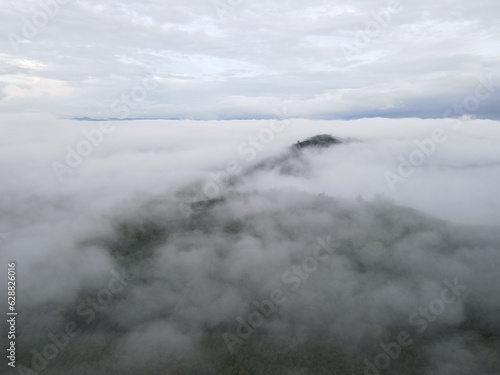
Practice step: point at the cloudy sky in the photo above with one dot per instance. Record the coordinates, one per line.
(240, 59)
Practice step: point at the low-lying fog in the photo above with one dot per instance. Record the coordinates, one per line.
(200, 247)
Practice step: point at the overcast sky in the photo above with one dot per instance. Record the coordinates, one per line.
(229, 59)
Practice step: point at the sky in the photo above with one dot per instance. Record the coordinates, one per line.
(240, 59)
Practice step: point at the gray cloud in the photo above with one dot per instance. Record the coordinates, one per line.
(246, 63)
(194, 273)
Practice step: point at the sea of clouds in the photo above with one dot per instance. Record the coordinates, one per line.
(136, 240)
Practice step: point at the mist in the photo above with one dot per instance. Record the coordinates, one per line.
(216, 247)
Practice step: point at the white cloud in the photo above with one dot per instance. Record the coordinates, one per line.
(288, 51)
(195, 275)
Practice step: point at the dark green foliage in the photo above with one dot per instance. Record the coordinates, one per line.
(136, 241)
(267, 354)
(318, 141)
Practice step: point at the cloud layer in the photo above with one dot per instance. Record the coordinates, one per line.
(222, 59)
(156, 280)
